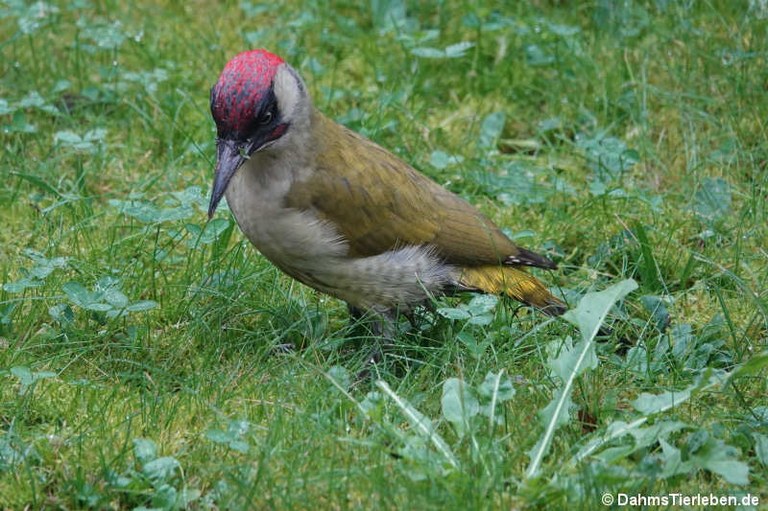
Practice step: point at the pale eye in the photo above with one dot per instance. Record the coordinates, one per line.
(265, 118)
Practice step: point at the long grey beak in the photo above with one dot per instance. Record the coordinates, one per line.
(228, 160)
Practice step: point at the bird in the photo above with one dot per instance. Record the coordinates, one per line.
(341, 214)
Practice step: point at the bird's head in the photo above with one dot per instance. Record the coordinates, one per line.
(255, 103)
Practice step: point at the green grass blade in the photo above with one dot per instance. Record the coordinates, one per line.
(420, 423)
(587, 316)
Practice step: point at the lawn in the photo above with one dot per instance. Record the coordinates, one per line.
(140, 344)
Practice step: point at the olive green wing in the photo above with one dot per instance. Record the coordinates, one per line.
(378, 203)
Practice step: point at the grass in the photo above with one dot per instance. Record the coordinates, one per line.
(137, 342)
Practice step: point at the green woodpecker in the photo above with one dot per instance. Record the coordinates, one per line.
(343, 215)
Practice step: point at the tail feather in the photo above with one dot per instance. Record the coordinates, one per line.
(515, 283)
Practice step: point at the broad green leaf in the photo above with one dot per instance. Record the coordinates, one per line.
(490, 130)
(588, 316)
(644, 437)
(239, 446)
(497, 387)
(95, 135)
(450, 52)
(459, 404)
(573, 360)
(520, 183)
(458, 49)
(428, 53)
(482, 320)
(5, 108)
(482, 304)
(14, 451)
(608, 157)
(681, 338)
(19, 124)
(41, 260)
(106, 36)
(476, 348)
(751, 367)
(218, 436)
(149, 213)
(107, 282)
(21, 285)
(420, 424)
(594, 307)
(193, 229)
(648, 436)
(35, 100)
(340, 376)
(161, 469)
(454, 313)
(388, 14)
(192, 196)
(613, 454)
(713, 200)
(442, 160)
(115, 298)
(81, 297)
(238, 427)
(67, 137)
(87, 143)
(697, 440)
(232, 437)
(144, 449)
(722, 459)
(658, 309)
(372, 406)
(761, 448)
(649, 404)
(672, 463)
(62, 313)
(564, 31)
(78, 293)
(149, 80)
(557, 412)
(28, 377)
(554, 415)
(141, 306)
(213, 230)
(535, 55)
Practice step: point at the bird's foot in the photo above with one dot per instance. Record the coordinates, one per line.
(382, 326)
(283, 348)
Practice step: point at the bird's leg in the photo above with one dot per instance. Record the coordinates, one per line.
(384, 328)
(355, 313)
(382, 324)
(283, 348)
(415, 315)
